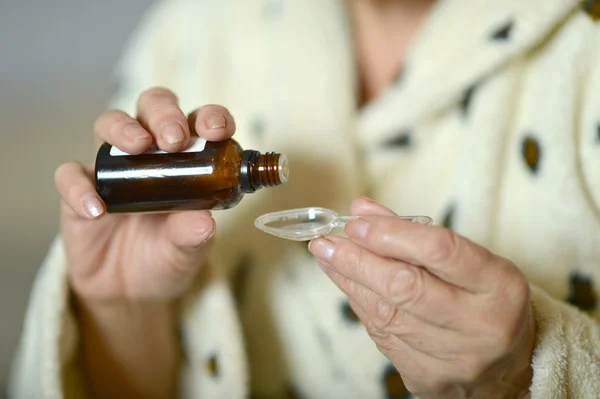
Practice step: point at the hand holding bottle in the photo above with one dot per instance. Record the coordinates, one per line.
(127, 270)
(141, 256)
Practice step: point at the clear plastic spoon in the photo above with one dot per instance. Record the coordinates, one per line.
(306, 224)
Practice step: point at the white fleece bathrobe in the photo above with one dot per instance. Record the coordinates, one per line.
(492, 128)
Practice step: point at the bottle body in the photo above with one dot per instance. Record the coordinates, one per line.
(216, 177)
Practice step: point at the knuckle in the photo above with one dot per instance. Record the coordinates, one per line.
(505, 331)
(64, 170)
(442, 247)
(408, 289)
(400, 284)
(381, 231)
(417, 291)
(117, 128)
(383, 339)
(160, 113)
(384, 315)
(517, 285)
(373, 330)
(153, 96)
(100, 122)
(348, 286)
(154, 93)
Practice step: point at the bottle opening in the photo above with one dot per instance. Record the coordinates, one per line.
(283, 168)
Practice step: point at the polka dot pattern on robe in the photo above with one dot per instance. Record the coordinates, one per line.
(465, 104)
(212, 366)
(532, 153)
(592, 8)
(348, 313)
(448, 219)
(393, 384)
(402, 140)
(503, 33)
(582, 292)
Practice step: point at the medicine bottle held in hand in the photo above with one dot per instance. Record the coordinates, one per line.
(207, 175)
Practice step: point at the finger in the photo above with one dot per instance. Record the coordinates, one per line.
(425, 353)
(392, 328)
(386, 325)
(158, 111)
(394, 349)
(124, 132)
(442, 252)
(363, 206)
(406, 287)
(190, 231)
(212, 122)
(76, 188)
(422, 352)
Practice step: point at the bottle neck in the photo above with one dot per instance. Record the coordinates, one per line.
(263, 170)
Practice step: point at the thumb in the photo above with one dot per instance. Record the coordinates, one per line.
(189, 231)
(363, 206)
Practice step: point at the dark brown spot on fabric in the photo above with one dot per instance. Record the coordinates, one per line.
(402, 140)
(212, 366)
(592, 8)
(582, 292)
(291, 392)
(348, 313)
(465, 104)
(532, 153)
(503, 33)
(448, 219)
(393, 384)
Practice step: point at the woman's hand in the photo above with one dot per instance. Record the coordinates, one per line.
(453, 318)
(128, 270)
(139, 256)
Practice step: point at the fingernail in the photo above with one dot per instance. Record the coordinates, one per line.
(92, 205)
(216, 121)
(322, 249)
(135, 132)
(357, 228)
(172, 133)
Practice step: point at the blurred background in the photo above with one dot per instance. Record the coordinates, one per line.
(56, 64)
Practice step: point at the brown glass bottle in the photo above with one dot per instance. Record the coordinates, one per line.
(215, 178)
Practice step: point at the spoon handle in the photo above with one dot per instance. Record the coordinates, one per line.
(341, 221)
